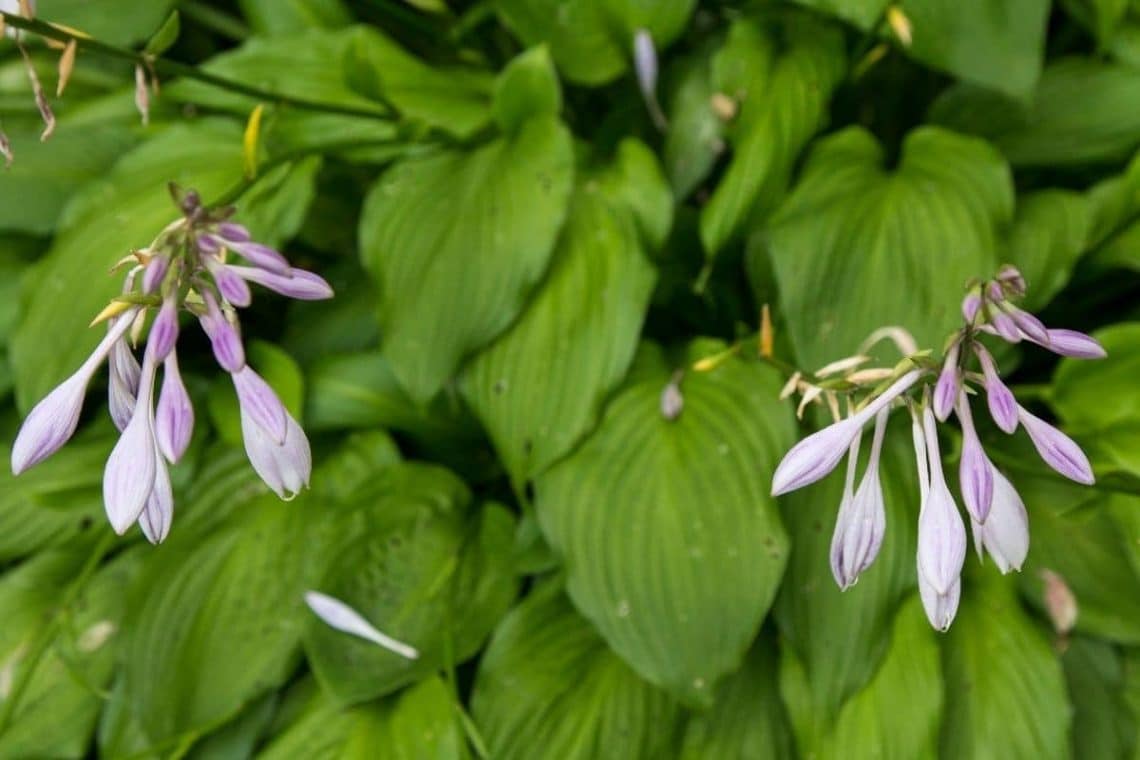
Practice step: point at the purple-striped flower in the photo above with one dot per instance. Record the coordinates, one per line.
(1002, 404)
(128, 478)
(975, 472)
(949, 381)
(1074, 344)
(1057, 449)
(1005, 533)
(174, 417)
(862, 518)
(941, 538)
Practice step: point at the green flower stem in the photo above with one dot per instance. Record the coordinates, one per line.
(167, 67)
(51, 627)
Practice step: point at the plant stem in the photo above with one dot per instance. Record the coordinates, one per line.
(165, 66)
(45, 637)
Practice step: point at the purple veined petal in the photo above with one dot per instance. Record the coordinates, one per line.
(999, 398)
(154, 273)
(164, 331)
(1005, 534)
(996, 292)
(300, 284)
(224, 338)
(1005, 326)
(158, 514)
(336, 614)
(940, 607)
(262, 256)
(1030, 326)
(232, 232)
(285, 467)
(949, 381)
(862, 534)
(843, 516)
(174, 418)
(209, 245)
(128, 478)
(975, 472)
(232, 287)
(123, 384)
(971, 304)
(941, 533)
(1074, 344)
(818, 454)
(1058, 450)
(52, 421)
(259, 401)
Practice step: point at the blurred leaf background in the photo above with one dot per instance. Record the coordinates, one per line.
(523, 259)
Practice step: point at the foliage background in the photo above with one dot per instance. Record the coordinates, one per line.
(522, 261)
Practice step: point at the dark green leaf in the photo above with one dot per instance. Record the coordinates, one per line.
(1103, 723)
(1048, 236)
(119, 22)
(283, 17)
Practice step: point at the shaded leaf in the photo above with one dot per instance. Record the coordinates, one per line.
(118, 22)
(1103, 723)
(282, 17)
(1049, 234)
(1091, 395)
(528, 87)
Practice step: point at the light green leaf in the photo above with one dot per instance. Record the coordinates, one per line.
(1048, 235)
(110, 218)
(838, 639)
(274, 208)
(1092, 395)
(284, 17)
(549, 687)
(425, 567)
(118, 22)
(528, 87)
(747, 721)
(783, 75)
(451, 282)
(1005, 692)
(671, 544)
(857, 247)
(592, 40)
(1083, 111)
(695, 135)
(861, 13)
(538, 388)
(167, 34)
(1103, 723)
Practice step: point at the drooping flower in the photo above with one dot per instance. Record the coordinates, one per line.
(999, 398)
(862, 517)
(1005, 533)
(949, 381)
(128, 478)
(1058, 450)
(286, 466)
(1073, 344)
(174, 417)
(941, 538)
(975, 472)
(336, 614)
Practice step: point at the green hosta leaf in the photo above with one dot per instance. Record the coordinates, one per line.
(1103, 723)
(118, 22)
(1083, 111)
(217, 621)
(1091, 395)
(783, 75)
(527, 87)
(898, 713)
(592, 40)
(839, 638)
(283, 17)
(452, 281)
(695, 135)
(166, 35)
(275, 207)
(747, 720)
(999, 44)
(549, 687)
(110, 218)
(426, 568)
(861, 13)
(671, 544)
(537, 389)
(1048, 236)
(1004, 685)
(856, 247)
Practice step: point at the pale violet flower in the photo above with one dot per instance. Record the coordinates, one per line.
(286, 466)
(949, 381)
(336, 614)
(1002, 404)
(1005, 534)
(1057, 449)
(128, 478)
(941, 538)
(862, 518)
(645, 66)
(174, 417)
(1074, 344)
(975, 472)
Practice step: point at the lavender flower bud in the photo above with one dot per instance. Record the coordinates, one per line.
(128, 478)
(1005, 533)
(862, 519)
(645, 65)
(1010, 277)
(232, 232)
(224, 338)
(284, 467)
(999, 398)
(300, 284)
(164, 331)
(174, 418)
(258, 400)
(940, 608)
(941, 532)
(1058, 450)
(340, 616)
(158, 514)
(230, 285)
(1030, 326)
(261, 256)
(1074, 344)
(946, 390)
(1005, 326)
(971, 304)
(975, 472)
(123, 384)
(154, 273)
(52, 421)
(815, 456)
(209, 245)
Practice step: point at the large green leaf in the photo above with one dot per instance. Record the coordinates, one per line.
(539, 387)
(747, 721)
(671, 544)
(857, 247)
(783, 73)
(1049, 234)
(837, 639)
(1091, 395)
(110, 218)
(696, 133)
(861, 13)
(1103, 723)
(898, 713)
(1005, 692)
(450, 282)
(1083, 111)
(549, 687)
(426, 567)
(592, 40)
(119, 22)
(280, 17)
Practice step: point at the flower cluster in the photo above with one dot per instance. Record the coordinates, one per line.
(997, 514)
(184, 270)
